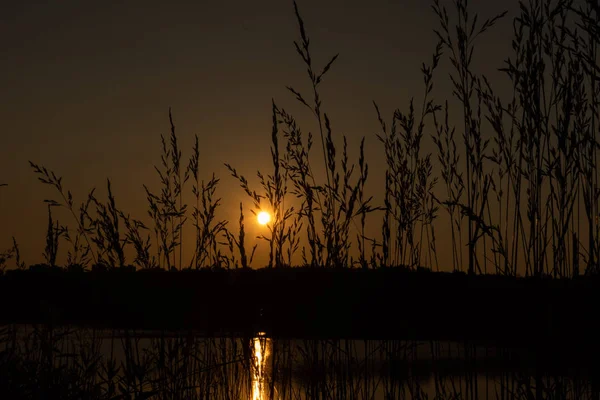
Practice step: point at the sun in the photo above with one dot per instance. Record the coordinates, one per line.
(263, 217)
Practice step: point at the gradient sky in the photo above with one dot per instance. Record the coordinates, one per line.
(86, 88)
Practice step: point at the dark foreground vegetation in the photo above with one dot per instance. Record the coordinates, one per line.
(296, 333)
(42, 361)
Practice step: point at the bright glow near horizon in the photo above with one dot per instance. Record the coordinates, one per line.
(263, 218)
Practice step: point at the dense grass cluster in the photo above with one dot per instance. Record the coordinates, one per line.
(516, 179)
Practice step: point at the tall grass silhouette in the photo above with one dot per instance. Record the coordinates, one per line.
(516, 179)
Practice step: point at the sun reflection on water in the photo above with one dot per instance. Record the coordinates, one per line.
(262, 350)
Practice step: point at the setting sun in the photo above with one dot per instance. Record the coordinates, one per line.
(263, 217)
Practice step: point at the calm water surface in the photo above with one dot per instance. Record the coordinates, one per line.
(163, 365)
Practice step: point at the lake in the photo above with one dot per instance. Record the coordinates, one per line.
(71, 362)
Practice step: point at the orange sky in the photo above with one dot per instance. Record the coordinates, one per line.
(86, 90)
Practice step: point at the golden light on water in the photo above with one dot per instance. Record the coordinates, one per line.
(261, 353)
(263, 217)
